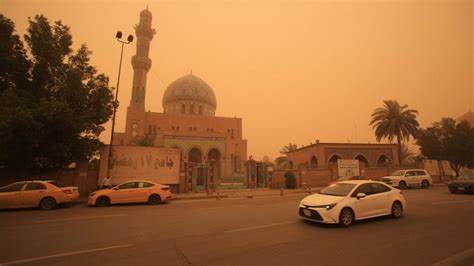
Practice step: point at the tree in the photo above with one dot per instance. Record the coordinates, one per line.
(146, 141)
(282, 161)
(407, 156)
(448, 140)
(394, 121)
(52, 101)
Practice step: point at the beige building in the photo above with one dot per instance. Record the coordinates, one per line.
(212, 148)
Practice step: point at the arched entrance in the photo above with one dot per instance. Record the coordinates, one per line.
(383, 160)
(362, 159)
(197, 171)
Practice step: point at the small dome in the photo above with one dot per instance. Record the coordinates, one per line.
(189, 88)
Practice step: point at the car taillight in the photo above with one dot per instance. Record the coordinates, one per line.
(67, 191)
(165, 188)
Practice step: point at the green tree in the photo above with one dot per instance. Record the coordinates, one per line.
(52, 101)
(281, 162)
(290, 180)
(394, 121)
(448, 140)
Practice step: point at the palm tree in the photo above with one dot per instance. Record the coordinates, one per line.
(394, 121)
(282, 161)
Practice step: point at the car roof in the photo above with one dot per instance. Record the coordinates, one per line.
(356, 182)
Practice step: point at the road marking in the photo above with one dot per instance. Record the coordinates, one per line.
(258, 227)
(65, 254)
(456, 258)
(80, 218)
(457, 201)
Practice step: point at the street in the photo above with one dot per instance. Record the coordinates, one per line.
(436, 227)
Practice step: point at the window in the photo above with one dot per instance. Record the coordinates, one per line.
(379, 188)
(192, 109)
(128, 185)
(144, 184)
(58, 184)
(200, 110)
(35, 186)
(314, 162)
(421, 173)
(364, 188)
(13, 187)
(183, 109)
(410, 173)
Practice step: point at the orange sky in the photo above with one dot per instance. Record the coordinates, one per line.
(294, 71)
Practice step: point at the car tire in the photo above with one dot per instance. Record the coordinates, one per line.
(397, 210)
(47, 203)
(402, 185)
(425, 184)
(453, 190)
(102, 201)
(154, 199)
(346, 218)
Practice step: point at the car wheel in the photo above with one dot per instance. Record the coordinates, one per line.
(397, 210)
(453, 190)
(102, 201)
(425, 184)
(346, 218)
(47, 203)
(402, 185)
(154, 199)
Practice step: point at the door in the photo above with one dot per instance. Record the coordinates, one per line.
(383, 199)
(124, 193)
(201, 177)
(33, 193)
(142, 192)
(10, 195)
(364, 207)
(411, 178)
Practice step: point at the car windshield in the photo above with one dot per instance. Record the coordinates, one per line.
(398, 173)
(337, 189)
(344, 178)
(466, 177)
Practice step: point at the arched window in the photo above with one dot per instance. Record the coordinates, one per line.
(383, 160)
(183, 108)
(314, 162)
(200, 110)
(290, 165)
(191, 110)
(334, 158)
(195, 156)
(362, 159)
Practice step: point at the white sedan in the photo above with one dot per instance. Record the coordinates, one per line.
(346, 201)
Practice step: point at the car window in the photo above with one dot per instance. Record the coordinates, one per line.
(411, 173)
(421, 173)
(364, 188)
(379, 188)
(12, 187)
(35, 186)
(398, 173)
(58, 184)
(128, 185)
(144, 185)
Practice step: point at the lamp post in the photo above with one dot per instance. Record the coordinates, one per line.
(118, 35)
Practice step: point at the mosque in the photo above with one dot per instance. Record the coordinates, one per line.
(210, 146)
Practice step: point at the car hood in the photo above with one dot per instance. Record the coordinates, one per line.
(101, 192)
(454, 182)
(320, 199)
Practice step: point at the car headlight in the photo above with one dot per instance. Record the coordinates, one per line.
(326, 206)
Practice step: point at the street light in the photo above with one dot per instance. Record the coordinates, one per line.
(118, 35)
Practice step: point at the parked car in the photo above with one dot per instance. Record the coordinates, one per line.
(464, 183)
(38, 193)
(130, 192)
(408, 178)
(346, 201)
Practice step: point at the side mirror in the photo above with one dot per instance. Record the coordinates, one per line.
(360, 195)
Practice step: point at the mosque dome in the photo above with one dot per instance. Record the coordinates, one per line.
(190, 95)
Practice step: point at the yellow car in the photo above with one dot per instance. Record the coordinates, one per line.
(43, 194)
(131, 192)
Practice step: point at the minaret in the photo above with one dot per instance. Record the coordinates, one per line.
(140, 62)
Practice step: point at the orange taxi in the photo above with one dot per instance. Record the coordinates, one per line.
(131, 192)
(43, 194)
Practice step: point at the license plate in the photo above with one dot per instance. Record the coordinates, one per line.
(307, 212)
(460, 188)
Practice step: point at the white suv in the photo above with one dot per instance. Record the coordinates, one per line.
(408, 178)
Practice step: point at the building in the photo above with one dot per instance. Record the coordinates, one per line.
(212, 148)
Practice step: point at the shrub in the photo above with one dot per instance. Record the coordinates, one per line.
(290, 180)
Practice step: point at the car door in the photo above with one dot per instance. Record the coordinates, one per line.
(383, 198)
(123, 193)
(363, 207)
(143, 191)
(410, 177)
(33, 193)
(10, 195)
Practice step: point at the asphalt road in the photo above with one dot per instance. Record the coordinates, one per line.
(437, 227)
